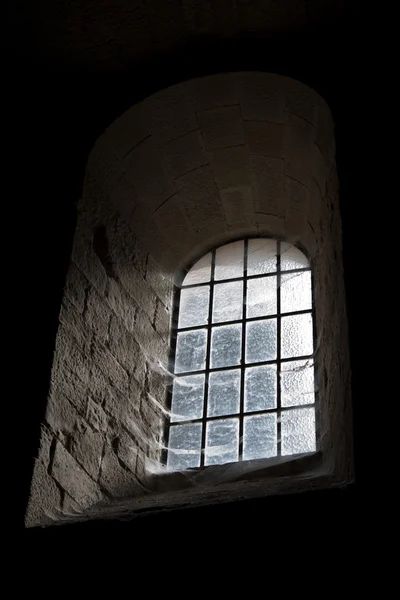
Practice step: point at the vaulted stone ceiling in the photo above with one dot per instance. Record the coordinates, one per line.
(115, 33)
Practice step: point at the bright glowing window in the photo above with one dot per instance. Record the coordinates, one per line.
(243, 357)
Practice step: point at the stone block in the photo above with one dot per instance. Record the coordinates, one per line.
(299, 139)
(124, 410)
(185, 153)
(214, 91)
(139, 257)
(44, 503)
(160, 281)
(149, 174)
(69, 359)
(68, 385)
(297, 209)
(171, 113)
(98, 385)
(300, 102)
(118, 481)
(202, 200)
(145, 228)
(60, 414)
(125, 247)
(97, 315)
(70, 508)
(137, 287)
(75, 287)
(152, 420)
(238, 206)
(268, 185)
(85, 258)
(109, 366)
(86, 448)
(124, 346)
(152, 344)
(124, 196)
(230, 167)
(96, 416)
(221, 127)
(270, 225)
(122, 304)
(73, 478)
(265, 139)
(46, 437)
(314, 211)
(127, 451)
(260, 98)
(173, 222)
(162, 322)
(158, 386)
(74, 322)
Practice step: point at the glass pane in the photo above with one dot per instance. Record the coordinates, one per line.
(222, 441)
(296, 291)
(261, 297)
(229, 261)
(261, 341)
(193, 306)
(200, 272)
(297, 336)
(261, 256)
(223, 393)
(226, 346)
(191, 351)
(184, 446)
(298, 431)
(297, 382)
(260, 388)
(187, 398)
(228, 301)
(259, 436)
(292, 258)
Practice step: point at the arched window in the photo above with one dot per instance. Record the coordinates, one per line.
(243, 360)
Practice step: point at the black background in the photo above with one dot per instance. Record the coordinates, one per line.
(56, 113)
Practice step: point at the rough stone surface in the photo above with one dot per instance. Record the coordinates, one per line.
(73, 478)
(221, 127)
(96, 416)
(193, 166)
(118, 481)
(87, 449)
(265, 139)
(185, 153)
(97, 315)
(75, 288)
(269, 185)
(44, 504)
(230, 166)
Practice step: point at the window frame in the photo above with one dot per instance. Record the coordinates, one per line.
(278, 409)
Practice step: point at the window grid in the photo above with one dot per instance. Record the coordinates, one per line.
(242, 360)
(278, 409)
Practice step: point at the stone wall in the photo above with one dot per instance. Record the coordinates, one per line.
(195, 165)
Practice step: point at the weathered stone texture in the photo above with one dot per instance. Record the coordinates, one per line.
(117, 480)
(221, 127)
(87, 448)
(193, 166)
(44, 506)
(185, 153)
(76, 482)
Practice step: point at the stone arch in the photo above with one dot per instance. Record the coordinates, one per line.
(193, 166)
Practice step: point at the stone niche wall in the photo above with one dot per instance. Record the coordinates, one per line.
(195, 165)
